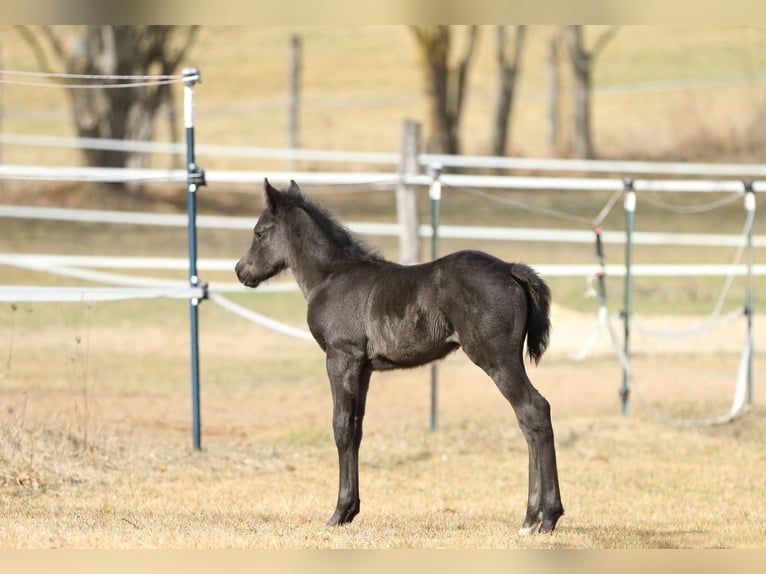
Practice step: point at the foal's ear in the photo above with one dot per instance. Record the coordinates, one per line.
(273, 195)
(294, 187)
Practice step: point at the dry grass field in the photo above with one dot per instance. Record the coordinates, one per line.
(95, 408)
(96, 446)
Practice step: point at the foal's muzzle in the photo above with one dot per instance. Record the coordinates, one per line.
(241, 270)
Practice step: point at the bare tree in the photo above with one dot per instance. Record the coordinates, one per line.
(508, 55)
(124, 113)
(294, 96)
(582, 62)
(445, 83)
(554, 92)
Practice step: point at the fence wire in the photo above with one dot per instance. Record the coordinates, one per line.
(118, 81)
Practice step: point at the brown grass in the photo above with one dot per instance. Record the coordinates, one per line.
(95, 435)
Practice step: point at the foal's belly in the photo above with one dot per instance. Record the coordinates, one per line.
(395, 342)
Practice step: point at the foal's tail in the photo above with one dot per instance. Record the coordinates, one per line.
(538, 309)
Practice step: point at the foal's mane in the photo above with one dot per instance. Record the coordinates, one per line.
(341, 236)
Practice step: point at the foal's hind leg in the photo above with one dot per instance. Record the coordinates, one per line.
(533, 414)
(349, 380)
(544, 503)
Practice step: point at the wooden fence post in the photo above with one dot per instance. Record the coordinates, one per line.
(406, 196)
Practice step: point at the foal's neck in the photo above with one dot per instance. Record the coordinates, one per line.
(313, 256)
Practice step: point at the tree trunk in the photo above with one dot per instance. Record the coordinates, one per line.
(581, 69)
(583, 144)
(507, 72)
(441, 137)
(554, 94)
(125, 113)
(293, 98)
(445, 84)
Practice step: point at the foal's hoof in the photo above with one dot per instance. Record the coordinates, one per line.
(527, 530)
(335, 520)
(341, 517)
(550, 519)
(546, 524)
(530, 525)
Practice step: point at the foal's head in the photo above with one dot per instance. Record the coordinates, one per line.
(267, 254)
(290, 218)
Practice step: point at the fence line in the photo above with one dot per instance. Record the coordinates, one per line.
(34, 293)
(375, 180)
(81, 267)
(202, 149)
(529, 183)
(117, 262)
(598, 166)
(262, 320)
(44, 262)
(383, 229)
(123, 217)
(424, 159)
(95, 81)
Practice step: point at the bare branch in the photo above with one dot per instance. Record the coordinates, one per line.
(603, 40)
(579, 56)
(521, 32)
(190, 37)
(444, 80)
(463, 69)
(508, 56)
(503, 55)
(32, 40)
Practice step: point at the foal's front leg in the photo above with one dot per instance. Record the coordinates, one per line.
(349, 381)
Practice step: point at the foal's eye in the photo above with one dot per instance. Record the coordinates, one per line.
(260, 232)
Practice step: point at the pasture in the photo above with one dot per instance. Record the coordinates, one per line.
(95, 414)
(96, 446)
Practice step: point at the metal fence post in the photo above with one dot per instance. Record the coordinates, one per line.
(435, 192)
(630, 210)
(195, 178)
(749, 309)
